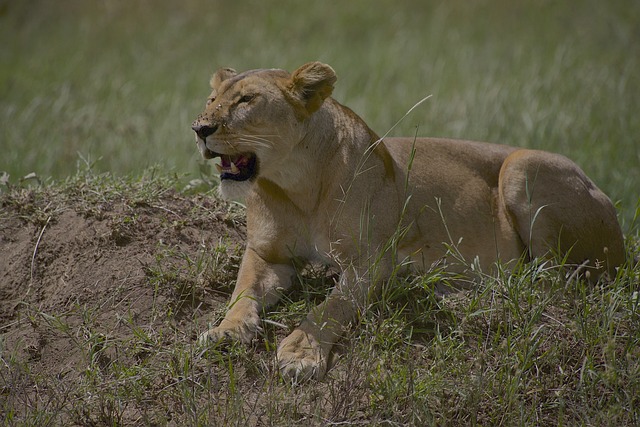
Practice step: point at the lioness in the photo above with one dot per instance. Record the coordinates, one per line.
(319, 185)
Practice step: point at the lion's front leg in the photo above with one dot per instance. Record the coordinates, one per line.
(259, 284)
(305, 353)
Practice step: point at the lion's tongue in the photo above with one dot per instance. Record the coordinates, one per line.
(230, 164)
(238, 160)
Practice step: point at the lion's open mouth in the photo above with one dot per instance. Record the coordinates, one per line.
(237, 167)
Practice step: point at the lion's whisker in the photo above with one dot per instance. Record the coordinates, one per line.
(261, 138)
(253, 140)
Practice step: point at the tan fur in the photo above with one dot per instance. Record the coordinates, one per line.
(328, 190)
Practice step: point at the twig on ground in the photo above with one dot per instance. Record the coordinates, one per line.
(35, 252)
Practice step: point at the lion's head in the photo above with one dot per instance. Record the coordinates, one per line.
(252, 120)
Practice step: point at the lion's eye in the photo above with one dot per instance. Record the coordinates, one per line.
(246, 98)
(210, 100)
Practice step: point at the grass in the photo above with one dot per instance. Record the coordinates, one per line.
(121, 83)
(527, 348)
(110, 89)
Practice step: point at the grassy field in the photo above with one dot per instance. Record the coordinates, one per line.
(126, 273)
(94, 93)
(120, 82)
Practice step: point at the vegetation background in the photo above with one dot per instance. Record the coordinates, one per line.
(120, 82)
(110, 265)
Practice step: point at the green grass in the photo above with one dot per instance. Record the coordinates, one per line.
(115, 86)
(120, 83)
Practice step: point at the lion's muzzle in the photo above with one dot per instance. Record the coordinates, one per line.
(203, 131)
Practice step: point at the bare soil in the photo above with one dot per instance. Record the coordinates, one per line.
(69, 269)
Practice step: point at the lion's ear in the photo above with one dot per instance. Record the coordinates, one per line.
(313, 83)
(221, 75)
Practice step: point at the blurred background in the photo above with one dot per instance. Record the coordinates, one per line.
(116, 83)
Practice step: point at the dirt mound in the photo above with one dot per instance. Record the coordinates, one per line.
(85, 265)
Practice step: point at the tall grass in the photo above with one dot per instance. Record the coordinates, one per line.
(122, 81)
(117, 84)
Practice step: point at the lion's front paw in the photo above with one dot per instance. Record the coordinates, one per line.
(301, 357)
(229, 331)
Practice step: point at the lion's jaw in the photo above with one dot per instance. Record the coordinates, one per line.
(243, 166)
(234, 191)
(237, 171)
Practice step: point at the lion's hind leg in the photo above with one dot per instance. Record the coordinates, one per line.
(555, 207)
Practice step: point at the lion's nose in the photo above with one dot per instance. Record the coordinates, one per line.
(203, 131)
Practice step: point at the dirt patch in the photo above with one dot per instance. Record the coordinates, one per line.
(73, 272)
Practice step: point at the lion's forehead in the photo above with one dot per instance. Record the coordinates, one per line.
(257, 79)
(262, 72)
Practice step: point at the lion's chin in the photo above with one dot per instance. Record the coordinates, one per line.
(234, 191)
